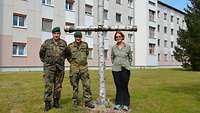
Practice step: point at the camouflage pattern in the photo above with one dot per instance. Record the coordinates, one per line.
(53, 55)
(53, 83)
(79, 70)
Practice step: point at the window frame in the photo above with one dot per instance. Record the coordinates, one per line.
(88, 9)
(105, 54)
(152, 32)
(172, 18)
(118, 1)
(68, 6)
(152, 48)
(130, 3)
(165, 43)
(165, 57)
(152, 15)
(118, 15)
(130, 20)
(165, 16)
(105, 14)
(45, 2)
(18, 45)
(90, 55)
(16, 20)
(130, 37)
(165, 29)
(49, 20)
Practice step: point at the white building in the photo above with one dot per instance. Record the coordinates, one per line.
(25, 24)
(158, 24)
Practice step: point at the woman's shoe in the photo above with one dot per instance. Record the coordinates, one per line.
(125, 108)
(117, 107)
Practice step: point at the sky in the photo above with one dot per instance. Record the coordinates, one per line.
(179, 4)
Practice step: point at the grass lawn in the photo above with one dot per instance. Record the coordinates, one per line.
(151, 90)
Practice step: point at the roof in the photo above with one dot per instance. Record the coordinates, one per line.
(166, 5)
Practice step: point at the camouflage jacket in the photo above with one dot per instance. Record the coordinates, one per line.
(53, 54)
(78, 56)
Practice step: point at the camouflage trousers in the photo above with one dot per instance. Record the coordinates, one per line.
(74, 80)
(53, 79)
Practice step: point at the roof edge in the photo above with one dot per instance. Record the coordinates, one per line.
(162, 3)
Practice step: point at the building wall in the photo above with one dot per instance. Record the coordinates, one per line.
(162, 50)
(33, 36)
(142, 41)
(142, 32)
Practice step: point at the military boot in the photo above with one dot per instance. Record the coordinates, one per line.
(47, 106)
(89, 105)
(56, 103)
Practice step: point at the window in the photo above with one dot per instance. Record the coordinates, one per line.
(172, 31)
(183, 22)
(118, 17)
(69, 5)
(165, 43)
(130, 3)
(19, 20)
(151, 49)
(172, 18)
(130, 20)
(47, 2)
(158, 56)
(165, 16)
(178, 20)
(165, 29)
(151, 15)
(88, 10)
(88, 33)
(90, 55)
(158, 14)
(172, 58)
(69, 24)
(158, 42)
(165, 57)
(130, 37)
(46, 24)
(19, 49)
(172, 44)
(152, 3)
(105, 14)
(118, 1)
(158, 28)
(151, 32)
(105, 53)
(105, 34)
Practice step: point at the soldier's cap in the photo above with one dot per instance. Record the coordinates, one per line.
(56, 29)
(78, 34)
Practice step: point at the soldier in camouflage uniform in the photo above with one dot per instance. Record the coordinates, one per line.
(79, 70)
(53, 53)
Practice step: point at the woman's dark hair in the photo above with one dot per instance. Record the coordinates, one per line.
(121, 33)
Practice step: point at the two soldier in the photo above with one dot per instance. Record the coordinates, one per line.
(53, 53)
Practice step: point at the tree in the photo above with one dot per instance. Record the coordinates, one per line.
(188, 49)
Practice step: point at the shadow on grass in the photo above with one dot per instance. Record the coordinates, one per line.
(181, 69)
(190, 89)
(184, 69)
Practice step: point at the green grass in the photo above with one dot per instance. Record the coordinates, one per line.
(151, 90)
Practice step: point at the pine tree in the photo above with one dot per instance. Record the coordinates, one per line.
(188, 49)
